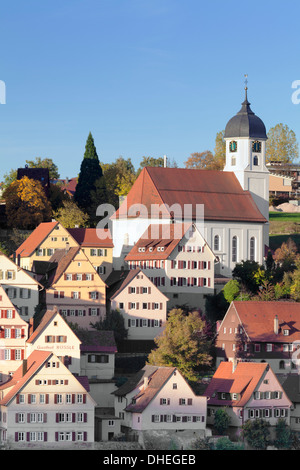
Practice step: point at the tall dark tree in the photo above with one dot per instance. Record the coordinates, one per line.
(90, 174)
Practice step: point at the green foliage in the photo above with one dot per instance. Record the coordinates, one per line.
(45, 163)
(216, 306)
(257, 433)
(231, 290)
(249, 275)
(90, 172)
(225, 444)
(282, 145)
(70, 216)
(185, 343)
(113, 321)
(201, 444)
(221, 421)
(284, 435)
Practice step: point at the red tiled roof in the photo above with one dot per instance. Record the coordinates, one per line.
(257, 319)
(243, 380)
(92, 237)
(35, 239)
(63, 258)
(220, 192)
(34, 362)
(158, 235)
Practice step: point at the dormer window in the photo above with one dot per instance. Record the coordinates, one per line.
(286, 332)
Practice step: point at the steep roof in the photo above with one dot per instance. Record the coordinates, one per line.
(92, 237)
(156, 378)
(118, 280)
(243, 380)
(220, 193)
(44, 322)
(166, 236)
(34, 362)
(62, 258)
(148, 391)
(35, 239)
(257, 319)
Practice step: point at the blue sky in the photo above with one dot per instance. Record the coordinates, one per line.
(146, 77)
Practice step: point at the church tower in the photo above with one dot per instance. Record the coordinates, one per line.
(245, 137)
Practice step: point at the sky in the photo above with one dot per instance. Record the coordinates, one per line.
(145, 77)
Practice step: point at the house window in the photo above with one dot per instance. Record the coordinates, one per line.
(121, 305)
(257, 347)
(269, 347)
(286, 332)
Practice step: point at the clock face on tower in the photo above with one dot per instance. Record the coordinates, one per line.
(233, 146)
(256, 147)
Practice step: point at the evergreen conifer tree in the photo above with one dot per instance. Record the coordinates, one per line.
(89, 176)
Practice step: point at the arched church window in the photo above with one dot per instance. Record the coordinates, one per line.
(252, 249)
(255, 160)
(234, 249)
(217, 243)
(233, 146)
(233, 161)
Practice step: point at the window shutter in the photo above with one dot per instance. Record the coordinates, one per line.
(16, 436)
(85, 417)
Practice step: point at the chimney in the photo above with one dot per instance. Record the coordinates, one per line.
(146, 382)
(165, 161)
(276, 325)
(234, 364)
(24, 367)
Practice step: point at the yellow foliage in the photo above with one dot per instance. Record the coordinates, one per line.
(26, 204)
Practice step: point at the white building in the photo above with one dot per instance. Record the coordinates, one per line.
(229, 207)
(159, 398)
(55, 335)
(21, 287)
(45, 405)
(13, 336)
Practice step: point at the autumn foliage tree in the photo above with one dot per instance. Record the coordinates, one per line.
(26, 204)
(185, 343)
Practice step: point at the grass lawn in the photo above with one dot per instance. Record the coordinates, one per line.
(285, 217)
(284, 225)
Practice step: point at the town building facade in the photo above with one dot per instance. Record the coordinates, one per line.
(261, 332)
(247, 390)
(44, 405)
(142, 304)
(159, 398)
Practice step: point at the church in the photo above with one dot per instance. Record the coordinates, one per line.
(230, 208)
